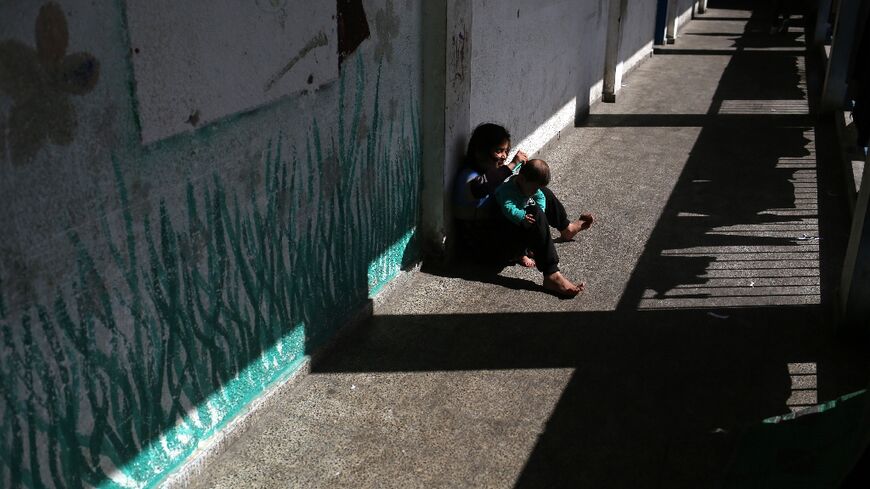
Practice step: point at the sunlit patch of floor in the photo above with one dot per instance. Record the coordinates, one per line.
(804, 392)
(784, 273)
(766, 107)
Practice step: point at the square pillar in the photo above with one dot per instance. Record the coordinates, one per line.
(855, 284)
(671, 29)
(446, 114)
(834, 88)
(612, 63)
(821, 28)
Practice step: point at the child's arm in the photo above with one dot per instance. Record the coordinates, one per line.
(509, 205)
(540, 200)
(519, 158)
(483, 185)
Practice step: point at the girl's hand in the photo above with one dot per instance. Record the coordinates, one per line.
(529, 219)
(520, 157)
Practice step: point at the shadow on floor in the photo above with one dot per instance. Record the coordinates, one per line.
(657, 398)
(695, 354)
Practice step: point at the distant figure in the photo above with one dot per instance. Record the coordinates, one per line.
(781, 13)
(484, 235)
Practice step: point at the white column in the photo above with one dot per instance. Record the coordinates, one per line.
(855, 283)
(671, 32)
(834, 89)
(612, 63)
(702, 6)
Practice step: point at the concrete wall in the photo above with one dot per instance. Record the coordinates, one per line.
(638, 32)
(684, 10)
(536, 65)
(162, 267)
(171, 249)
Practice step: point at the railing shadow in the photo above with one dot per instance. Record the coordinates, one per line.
(656, 397)
(722, 322)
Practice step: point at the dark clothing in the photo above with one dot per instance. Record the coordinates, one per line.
(485, 185)
(534, 238)
(486, 236)
(478, 241)
(555, 211)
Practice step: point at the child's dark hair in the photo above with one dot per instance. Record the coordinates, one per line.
(483, 139)
(536, 171)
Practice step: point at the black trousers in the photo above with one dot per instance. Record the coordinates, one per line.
(515, 240)
(556, 215)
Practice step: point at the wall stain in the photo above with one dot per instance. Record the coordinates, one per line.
(278, 7)
(393, 109)
(387, 27)
(193, 120)
(457, 62)
(353, 27)
(362, 132)
(330, 175)
(20, 276)
(271, 5)
(140, 195)
(40, 83)
(315, 42)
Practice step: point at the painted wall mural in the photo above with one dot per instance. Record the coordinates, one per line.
(114, 384)
(225, 59)
(40, 82)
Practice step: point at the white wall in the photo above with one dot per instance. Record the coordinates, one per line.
(685, 9)
(111, 234)
(149, 291)
(638, 30)
(536, 65)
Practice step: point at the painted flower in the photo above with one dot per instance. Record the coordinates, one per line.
(40, 83)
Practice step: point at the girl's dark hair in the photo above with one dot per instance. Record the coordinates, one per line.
(483, 139)
(536, 171)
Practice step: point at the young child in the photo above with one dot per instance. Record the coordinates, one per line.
(520, 199)
(490, 235)
(519, 196)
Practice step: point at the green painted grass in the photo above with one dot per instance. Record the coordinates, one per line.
(116, 384)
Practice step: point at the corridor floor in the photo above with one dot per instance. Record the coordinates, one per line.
(710, 275)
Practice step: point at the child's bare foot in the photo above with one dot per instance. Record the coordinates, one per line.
(569, 232)
(557, 283)
(527, 262)
(575, 227)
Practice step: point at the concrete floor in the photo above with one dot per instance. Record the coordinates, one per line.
(710, 276)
